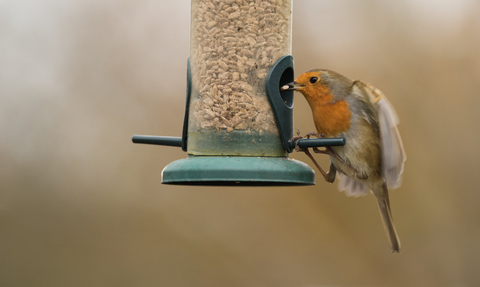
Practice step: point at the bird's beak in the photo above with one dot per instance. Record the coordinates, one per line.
(293, 86)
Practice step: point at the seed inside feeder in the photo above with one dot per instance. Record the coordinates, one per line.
(234, 43)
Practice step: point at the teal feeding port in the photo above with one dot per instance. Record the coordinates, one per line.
(238, 125)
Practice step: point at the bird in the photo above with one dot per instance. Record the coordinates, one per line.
(373, 155)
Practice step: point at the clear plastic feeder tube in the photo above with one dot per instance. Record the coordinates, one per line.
(234, 43)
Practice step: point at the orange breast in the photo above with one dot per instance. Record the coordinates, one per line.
(331, 119)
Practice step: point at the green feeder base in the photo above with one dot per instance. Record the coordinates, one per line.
(238, 171)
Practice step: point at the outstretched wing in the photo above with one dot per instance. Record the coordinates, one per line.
(393, 154)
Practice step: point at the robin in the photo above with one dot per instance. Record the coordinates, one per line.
(373, 155)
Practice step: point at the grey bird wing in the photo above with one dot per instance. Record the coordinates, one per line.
(393, 153)
(392, 147)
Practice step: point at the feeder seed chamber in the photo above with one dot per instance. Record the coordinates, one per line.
(238, 124)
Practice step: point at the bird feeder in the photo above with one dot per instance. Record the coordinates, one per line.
(238, 124)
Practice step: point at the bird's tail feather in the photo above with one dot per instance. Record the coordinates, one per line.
(384, 205)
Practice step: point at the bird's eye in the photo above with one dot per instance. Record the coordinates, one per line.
(313, 80)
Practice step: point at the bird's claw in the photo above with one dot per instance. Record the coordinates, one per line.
(311, 134)
(298, 132)
(297, 148)
(307, 136)
(317, 135)
(329, 151)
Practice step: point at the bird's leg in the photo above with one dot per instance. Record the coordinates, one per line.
(330, 176)
(307, 152)
(331, 152)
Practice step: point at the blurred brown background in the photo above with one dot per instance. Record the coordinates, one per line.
(80, 205)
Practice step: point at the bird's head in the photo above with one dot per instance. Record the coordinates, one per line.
(320, 85)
